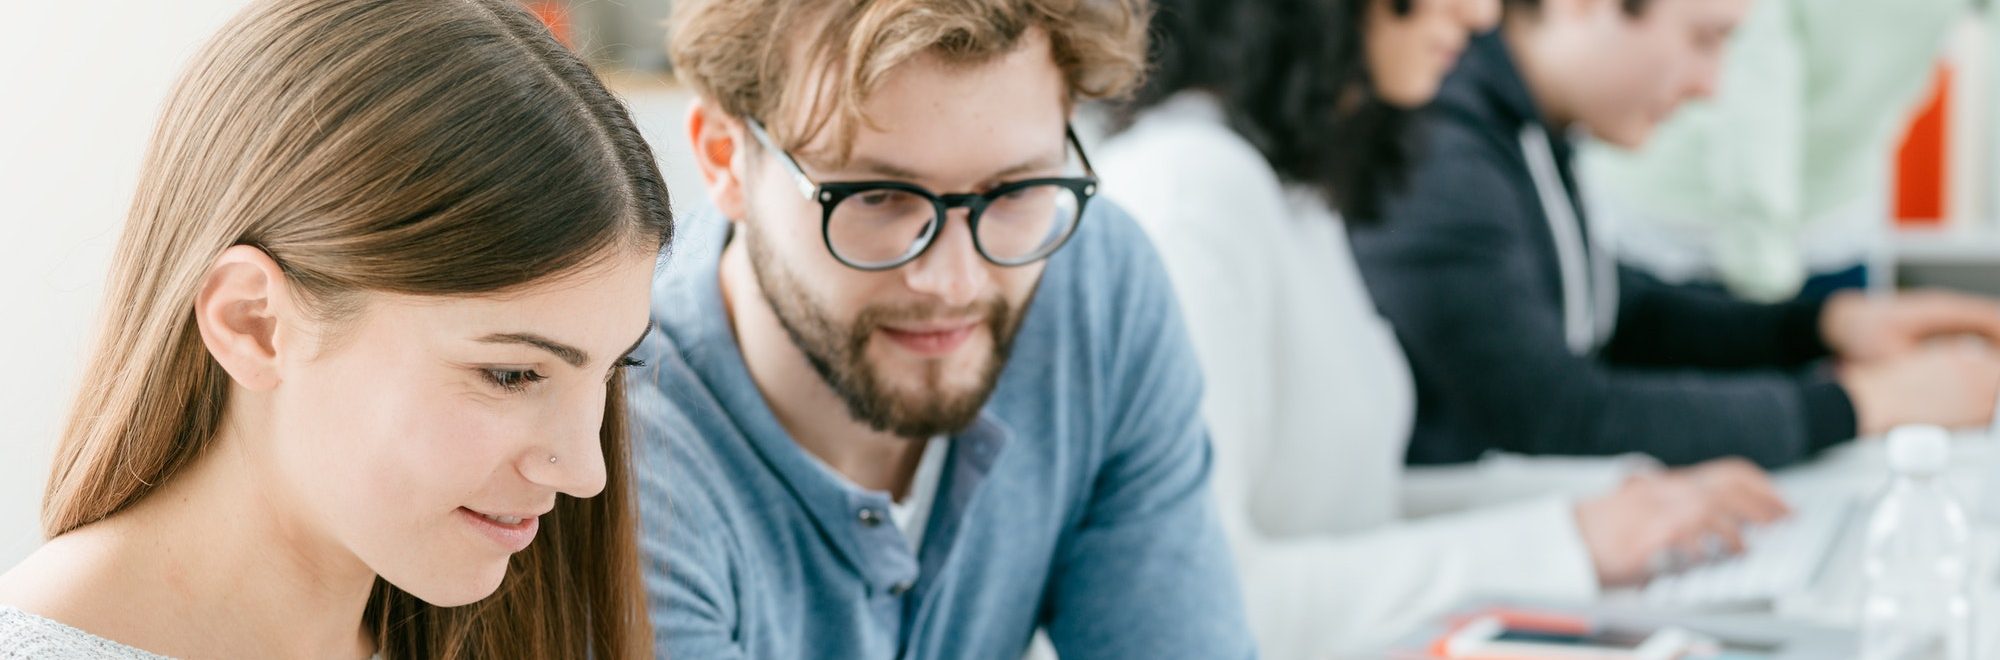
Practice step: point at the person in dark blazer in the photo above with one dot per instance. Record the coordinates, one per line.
(1525, 335)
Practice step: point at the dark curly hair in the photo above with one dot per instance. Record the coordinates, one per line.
(1631, 7)
(1293, 80)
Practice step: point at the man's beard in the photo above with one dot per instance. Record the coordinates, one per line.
(839, 354)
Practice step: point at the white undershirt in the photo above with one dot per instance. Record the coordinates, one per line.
(914, 511)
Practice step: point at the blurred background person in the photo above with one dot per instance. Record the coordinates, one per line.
(1525, 334)
(1262, 124)
(1779, 185)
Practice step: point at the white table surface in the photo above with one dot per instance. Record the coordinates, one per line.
(1826, 615)
(1860, 470)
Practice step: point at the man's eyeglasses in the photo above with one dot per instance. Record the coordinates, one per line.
(880, 225)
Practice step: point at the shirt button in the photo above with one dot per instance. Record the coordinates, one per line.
(870, 518)
(899, 588)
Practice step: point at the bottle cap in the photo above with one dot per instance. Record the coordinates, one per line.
(1919, 449)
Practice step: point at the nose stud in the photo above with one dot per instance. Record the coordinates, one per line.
(552, 458)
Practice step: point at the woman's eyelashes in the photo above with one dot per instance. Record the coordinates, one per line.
(513, 381)
(623, 364)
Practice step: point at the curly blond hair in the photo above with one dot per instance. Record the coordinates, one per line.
(740, 54)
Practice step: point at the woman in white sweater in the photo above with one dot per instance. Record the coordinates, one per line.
(1310, 400)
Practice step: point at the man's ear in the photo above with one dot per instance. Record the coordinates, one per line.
(719, 140)
(238, 312)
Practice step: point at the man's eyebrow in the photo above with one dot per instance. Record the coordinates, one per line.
(1043, 162)
(872, 167)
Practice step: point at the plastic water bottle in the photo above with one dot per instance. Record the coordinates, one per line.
(1918, 604)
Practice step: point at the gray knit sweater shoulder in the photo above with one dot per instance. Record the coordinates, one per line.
(24, 636)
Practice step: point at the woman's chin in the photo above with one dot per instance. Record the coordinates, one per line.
(1410, 95)
(472, 586)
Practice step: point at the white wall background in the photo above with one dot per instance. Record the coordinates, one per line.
(80, 87)
(81, 84)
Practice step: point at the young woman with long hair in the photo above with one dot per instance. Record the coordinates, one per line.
(358, 387)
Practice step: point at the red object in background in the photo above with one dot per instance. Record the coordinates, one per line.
(553, 14)
(1921, 161)
(1520, 619)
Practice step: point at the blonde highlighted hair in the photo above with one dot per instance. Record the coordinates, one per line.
(418, 147)
(742, 54)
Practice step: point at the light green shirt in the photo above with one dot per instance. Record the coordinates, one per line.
(1811, 96)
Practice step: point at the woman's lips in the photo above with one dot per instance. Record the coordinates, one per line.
(511, 531)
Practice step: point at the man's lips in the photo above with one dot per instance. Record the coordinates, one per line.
(930, 339)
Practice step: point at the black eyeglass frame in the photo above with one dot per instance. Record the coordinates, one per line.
(831, 194)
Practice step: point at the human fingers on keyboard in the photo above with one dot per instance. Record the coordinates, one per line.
(1742, 488)
(1720, 534)
(1769, 503)
(1667, 561)
(1754, 502)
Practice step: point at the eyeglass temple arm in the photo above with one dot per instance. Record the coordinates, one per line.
(806, 186)
(1070, 130)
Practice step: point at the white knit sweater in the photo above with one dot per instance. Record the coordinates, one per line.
(1310, 404)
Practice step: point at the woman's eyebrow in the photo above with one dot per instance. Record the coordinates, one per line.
(576, 357)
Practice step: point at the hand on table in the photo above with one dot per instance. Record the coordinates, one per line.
(1683, 511)
(1951, 383)
(1861, 328)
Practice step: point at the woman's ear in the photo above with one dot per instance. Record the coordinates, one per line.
(718, 141)
(238, 313)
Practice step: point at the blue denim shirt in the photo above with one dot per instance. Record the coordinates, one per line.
(1077, 502)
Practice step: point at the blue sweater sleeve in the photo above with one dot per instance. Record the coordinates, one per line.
(682, 540)
(1145, 571)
